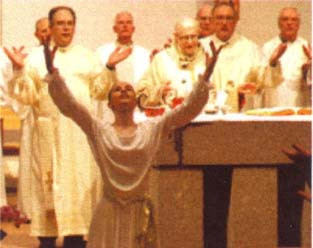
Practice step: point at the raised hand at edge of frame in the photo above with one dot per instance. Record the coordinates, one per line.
(306, 195)
(299, 155)
(17, 56)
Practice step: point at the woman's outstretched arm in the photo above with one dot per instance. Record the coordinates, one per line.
(67, 104)
(197, 98)
(61, 95)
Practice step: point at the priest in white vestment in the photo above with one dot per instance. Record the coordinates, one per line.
(42, 31)
(238, 70)
(240, 60)
(65, 181)
(24, 157)
(137, 62)
(134, 65)
(292, 91)
(175, 68)
(204, 17)
(5, 75)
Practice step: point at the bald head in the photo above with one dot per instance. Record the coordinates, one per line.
(123, 14)
(124, 27)
(206, 8)
(204, 17)
(43, 20)
(42, 29)
(186, 23)
(186, 36)
(288, 10)
(289, 23)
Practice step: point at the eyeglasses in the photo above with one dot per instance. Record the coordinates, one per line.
(65, 23)
(191, 37)
(205, 18)
(225, 18)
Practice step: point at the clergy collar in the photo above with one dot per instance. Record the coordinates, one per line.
(183, 61)
(230, 41)
(287, 41)
(62, 49)
(118, 44)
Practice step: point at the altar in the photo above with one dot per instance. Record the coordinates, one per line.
(252, 145)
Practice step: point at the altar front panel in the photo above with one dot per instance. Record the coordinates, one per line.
(243, 143)
(253, 146)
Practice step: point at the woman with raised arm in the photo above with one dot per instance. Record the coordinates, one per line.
(124, 151)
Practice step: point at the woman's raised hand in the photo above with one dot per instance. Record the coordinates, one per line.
(49, 56)
(210, 62)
